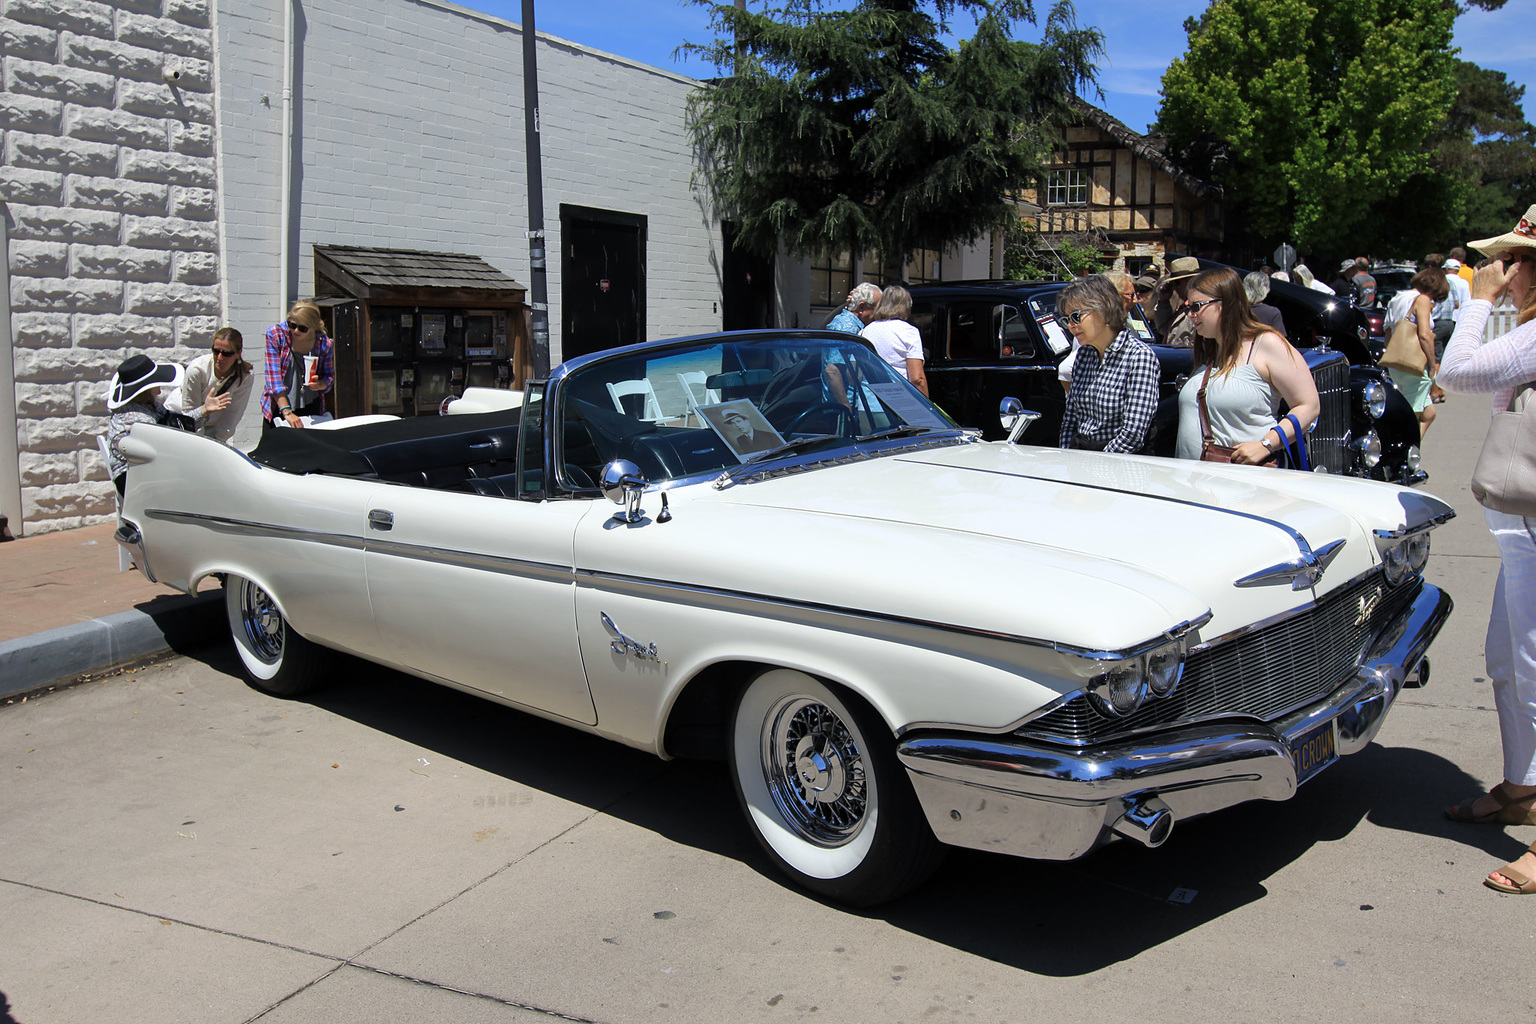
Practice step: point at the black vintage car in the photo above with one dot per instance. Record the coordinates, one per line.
(987, 340)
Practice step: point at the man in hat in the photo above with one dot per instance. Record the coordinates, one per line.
(1169, 319)
(133, 396)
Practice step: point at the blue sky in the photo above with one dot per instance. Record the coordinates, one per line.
(1141, 38)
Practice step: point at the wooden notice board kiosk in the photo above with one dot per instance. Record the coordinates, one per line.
(414, 328)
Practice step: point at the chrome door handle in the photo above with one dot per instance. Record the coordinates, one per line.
(380, 519)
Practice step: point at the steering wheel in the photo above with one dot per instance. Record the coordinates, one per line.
(850, 426)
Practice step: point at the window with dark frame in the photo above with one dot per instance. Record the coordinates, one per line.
(831, 278)
(1067, 187)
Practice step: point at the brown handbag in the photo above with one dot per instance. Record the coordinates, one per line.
(1210, 451)
(1403, 351)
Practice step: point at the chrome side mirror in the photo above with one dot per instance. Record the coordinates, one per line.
(623, 484)
(1015, 418)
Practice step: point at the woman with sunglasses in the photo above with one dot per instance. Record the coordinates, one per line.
(1113, 393)
(1501, 366)
(217, 387)
(290, 395)
(1246, 371)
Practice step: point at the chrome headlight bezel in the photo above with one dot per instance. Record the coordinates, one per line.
(1119, 688)
(1403, 554)
(1368, 449)
(1373, 399)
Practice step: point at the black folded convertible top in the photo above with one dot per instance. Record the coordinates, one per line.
(348, 451)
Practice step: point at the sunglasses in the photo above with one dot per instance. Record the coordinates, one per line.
(224, 353)
(297, 328)
(1194, 307)
(1076, 316)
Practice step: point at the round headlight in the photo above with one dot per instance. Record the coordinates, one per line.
(1368, 448)
(1374, 397)
(1121, 689)
(1413, 458)
(1395, 561)
(1164, 669)
(1418, 552)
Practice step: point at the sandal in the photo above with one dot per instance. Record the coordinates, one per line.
(1510, 811)
(1523, 886)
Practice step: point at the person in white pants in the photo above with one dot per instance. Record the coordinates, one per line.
(1501, 366)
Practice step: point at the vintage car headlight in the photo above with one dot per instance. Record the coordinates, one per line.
(1367, 449)
(1412, 461)
(1417, 550)
(1403, 558)
(1165, 667)
(1374, 398)
(1120, 687)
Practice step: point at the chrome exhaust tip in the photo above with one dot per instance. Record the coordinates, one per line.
(1149, 821)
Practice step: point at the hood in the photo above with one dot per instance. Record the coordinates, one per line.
(1096, 551)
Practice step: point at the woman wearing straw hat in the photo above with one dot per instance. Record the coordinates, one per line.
(1500, 366)
(133, 396)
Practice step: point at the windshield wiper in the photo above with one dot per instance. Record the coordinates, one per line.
(799, 444)
(905, 430)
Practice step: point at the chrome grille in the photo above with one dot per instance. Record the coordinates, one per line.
(1264, 674)
(1328, 443)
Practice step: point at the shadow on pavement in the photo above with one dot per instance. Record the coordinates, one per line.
(1052, 918)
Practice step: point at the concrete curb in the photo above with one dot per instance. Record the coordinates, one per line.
(60, 655)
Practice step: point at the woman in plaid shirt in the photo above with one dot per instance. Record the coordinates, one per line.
(1114, 375)
(288, 395)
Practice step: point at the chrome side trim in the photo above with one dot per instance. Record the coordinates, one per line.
(502, 564)
(726, 598)
(251, 528)
(375, 545)
(667, 589)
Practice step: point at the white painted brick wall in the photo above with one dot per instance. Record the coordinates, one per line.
(108, 177)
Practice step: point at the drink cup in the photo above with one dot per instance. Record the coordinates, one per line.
(312, 369)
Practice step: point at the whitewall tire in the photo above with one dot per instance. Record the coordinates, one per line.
(276, 658)
(816, 772)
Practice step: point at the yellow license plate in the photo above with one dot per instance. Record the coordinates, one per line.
(1314, 750)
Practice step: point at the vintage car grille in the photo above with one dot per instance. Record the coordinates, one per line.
(1263, 674)
(1328, 444)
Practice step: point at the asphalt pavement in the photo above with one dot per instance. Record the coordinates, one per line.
(178, 847)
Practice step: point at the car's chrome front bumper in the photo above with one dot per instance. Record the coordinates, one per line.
(1005, 794)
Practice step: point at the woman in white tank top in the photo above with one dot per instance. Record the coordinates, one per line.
(1252, 370)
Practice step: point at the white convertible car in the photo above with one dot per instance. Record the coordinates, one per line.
(898, 636)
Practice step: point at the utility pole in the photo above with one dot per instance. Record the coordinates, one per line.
(539, 285)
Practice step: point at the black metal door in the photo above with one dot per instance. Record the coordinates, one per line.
(602, 273)
(747, 286)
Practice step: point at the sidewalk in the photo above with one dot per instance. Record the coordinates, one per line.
(68, 610)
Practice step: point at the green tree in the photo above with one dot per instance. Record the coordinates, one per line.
(1481, 173)
(1028, 257)
(1311, 108)
(860, 130)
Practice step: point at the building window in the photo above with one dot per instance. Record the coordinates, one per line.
(831, 278)
(1067, 188)
(925, 266)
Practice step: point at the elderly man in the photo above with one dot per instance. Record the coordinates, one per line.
(858, 311)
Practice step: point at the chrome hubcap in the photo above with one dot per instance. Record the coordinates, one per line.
(262, 622)
(815, 771)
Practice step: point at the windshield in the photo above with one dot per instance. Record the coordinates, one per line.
(690, 410)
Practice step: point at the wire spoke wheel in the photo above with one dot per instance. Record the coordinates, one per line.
(276, 658)
(815, 771)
